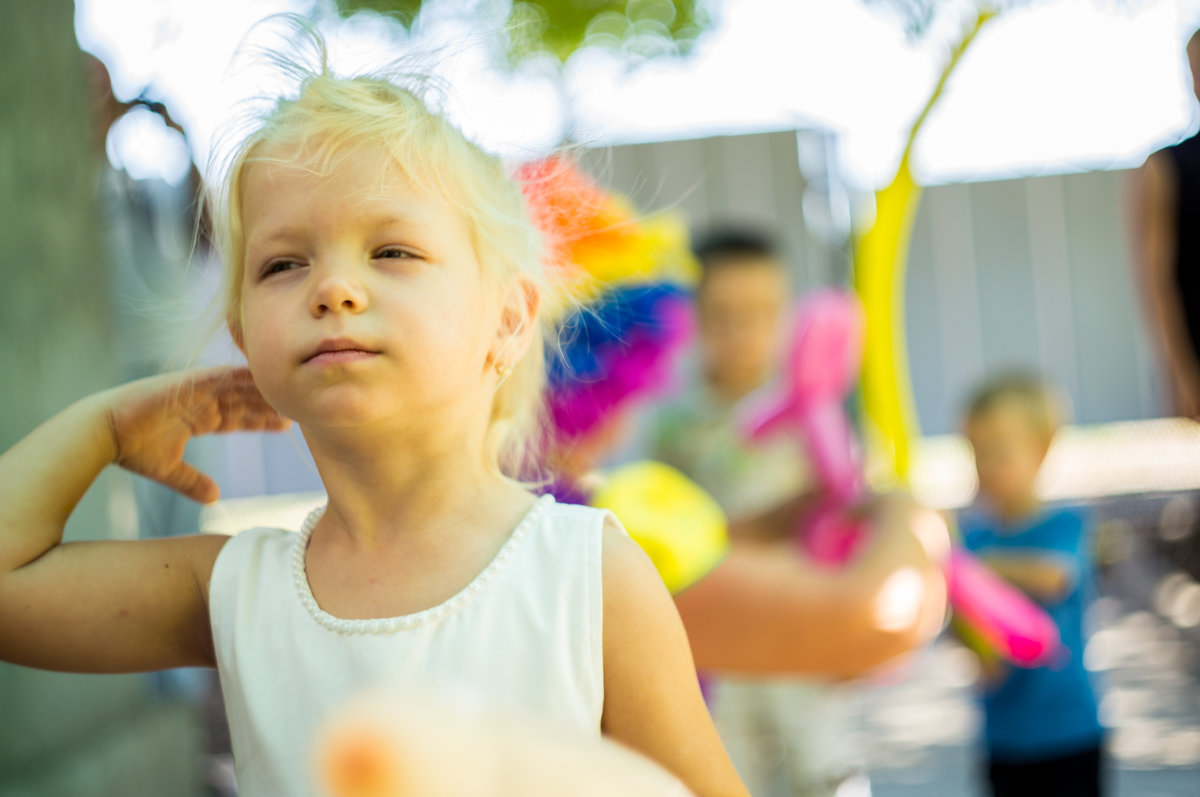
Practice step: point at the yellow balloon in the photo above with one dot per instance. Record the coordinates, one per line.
(679, 525)
(880, 260)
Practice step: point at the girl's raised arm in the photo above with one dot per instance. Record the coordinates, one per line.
(114, 606)
(652, 700)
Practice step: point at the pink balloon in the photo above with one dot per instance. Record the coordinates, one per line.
(821, 369)
(1012, 624)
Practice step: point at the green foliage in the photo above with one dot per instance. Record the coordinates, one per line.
(640, 29)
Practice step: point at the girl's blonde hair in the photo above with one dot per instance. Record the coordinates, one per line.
(330, 119)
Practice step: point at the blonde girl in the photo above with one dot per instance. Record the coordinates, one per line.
(383, 284)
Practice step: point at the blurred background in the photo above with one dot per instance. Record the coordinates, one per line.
(786, 116)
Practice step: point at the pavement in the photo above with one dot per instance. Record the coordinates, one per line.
(918, 733)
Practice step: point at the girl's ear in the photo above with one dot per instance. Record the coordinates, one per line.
(518, 322)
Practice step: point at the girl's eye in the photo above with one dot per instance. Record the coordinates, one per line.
(278, 266)
(393, 253)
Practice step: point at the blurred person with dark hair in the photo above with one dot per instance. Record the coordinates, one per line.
(786, 736)
(1165, 215)
(740, 305)
(1042, 731)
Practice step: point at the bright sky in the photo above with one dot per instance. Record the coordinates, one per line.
(1065, 85)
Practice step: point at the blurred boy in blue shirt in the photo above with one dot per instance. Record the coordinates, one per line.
(1042, 730)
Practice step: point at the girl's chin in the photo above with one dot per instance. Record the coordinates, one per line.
(361, 414)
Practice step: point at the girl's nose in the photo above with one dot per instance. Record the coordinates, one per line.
(338, 292)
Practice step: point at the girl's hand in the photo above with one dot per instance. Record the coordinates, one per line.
(153, 419)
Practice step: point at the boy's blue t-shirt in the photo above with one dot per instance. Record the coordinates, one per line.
(1048, 711)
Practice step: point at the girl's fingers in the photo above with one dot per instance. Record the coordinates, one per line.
(222, 375)
(270, 422)
(153, 419)
(193, 389)
(231, 392)
(247, 410)
(258, 422)
(186, 480)
(229, 384)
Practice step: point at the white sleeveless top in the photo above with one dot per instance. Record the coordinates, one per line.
(526, 632)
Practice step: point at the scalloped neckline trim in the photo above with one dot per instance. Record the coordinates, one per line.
(384, 625)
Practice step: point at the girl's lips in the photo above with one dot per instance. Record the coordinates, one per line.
(339, 356)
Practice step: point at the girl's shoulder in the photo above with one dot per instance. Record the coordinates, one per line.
(252, 555)
(573, 526)
(258, 541)
(566, 513)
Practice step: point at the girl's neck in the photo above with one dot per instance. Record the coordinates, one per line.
(382, 487)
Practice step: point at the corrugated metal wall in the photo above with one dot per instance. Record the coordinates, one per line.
(1031, 272)
(757, 180)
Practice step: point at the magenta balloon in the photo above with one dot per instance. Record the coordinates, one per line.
(1016, 627)
(827, 347)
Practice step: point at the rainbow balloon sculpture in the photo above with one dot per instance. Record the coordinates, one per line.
(620, 301)
(880, 259)
(631, 276)
(595, 240)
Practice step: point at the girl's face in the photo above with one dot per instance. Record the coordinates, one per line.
(362, 298)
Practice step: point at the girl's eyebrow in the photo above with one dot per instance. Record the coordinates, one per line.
(408, 220)
(277, 235)
(408, 217)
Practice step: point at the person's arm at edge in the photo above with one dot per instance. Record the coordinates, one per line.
(1152, 207)
(766, 610)
(777, 523)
